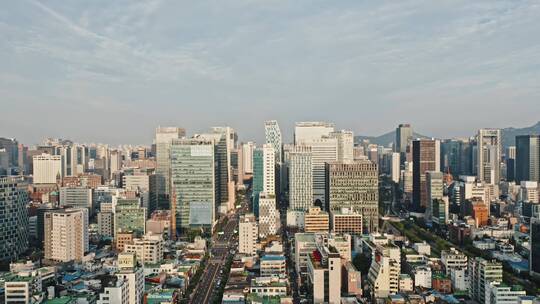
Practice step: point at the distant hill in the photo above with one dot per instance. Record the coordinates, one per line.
(508, 136)
(383, 140)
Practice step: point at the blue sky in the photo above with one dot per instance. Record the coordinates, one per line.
(111, 71)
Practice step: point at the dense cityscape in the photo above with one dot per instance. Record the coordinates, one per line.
(327, 218)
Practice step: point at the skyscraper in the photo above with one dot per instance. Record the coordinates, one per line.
(434, 188)
(510, 157)
(13, 218)
(224, 139)
(345, 144)
(247, 157)
(527, 158)
(164, 136)
(129, 216)
(354, 185)
(269, 170)
(300, 178)
(258, 178)
(489, 155)
(404, 136)
(426, 157)
(193, 183)
(273, 137)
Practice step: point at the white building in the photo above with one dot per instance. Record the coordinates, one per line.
(248, 232)
(47, 168)
(269, 219)
(129, 271)
(247, 157)
(324, 275)
(498, 293)
(66, 234)
(117, 294)
(395, 167)
(489, 155)
(307, 131)
(269, 170)
(345, 144)
(76, 197)
(482, 273)
(422, 277)
(453, 259)
(300, 178)
(528, 191)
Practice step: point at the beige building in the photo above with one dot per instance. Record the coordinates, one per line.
(66, 234)
(47, 168)
(354, 185)
(346, 220)
(385, 270)
(316, 220)
(149, 249)
(248, 232)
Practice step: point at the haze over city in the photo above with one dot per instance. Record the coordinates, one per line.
(367, 65)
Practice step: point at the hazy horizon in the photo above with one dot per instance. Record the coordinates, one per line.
(112, 71)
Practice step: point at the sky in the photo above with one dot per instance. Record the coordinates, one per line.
(112, 71)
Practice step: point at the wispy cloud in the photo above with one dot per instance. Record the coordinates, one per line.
(365, 64)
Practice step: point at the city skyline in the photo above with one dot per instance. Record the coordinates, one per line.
(365, 65)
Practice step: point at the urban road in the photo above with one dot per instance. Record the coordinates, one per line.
(221, 245)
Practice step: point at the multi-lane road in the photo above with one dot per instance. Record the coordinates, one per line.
(222, 247)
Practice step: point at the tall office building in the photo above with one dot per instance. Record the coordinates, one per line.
(269, 220)
(489, 155)
(47, 168)
(193, 184)
(273, 137)
(269, 170)
(258, 179)
(164, 136)
(534, 252)
(308, 131)
(300, 178)
(324, 149)
(247, 157)
(224, 139)
(248, 233)
(434, 188)
(345, 144)
(404, 136)
(13, 218)
(354, 185)
(510, 158)
(395, 167)
(527, 158)
(66, 235)
(426, 157)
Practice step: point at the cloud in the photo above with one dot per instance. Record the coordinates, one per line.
(367, 65)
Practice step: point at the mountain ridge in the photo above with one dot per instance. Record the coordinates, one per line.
(508, 136)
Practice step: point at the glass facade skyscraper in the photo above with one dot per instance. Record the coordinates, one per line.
(193, 184)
